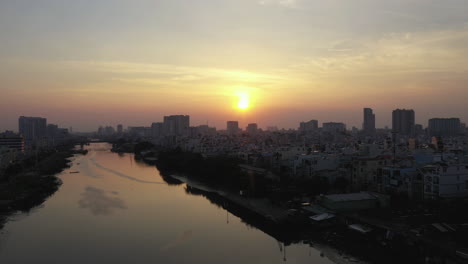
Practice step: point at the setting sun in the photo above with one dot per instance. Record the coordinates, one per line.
(243, 102)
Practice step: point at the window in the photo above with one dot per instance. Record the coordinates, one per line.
(428, 188)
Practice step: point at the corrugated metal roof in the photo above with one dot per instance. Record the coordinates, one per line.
(350, 197)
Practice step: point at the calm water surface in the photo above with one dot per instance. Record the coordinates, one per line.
(117, 210)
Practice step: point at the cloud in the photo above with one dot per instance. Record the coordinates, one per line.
(391, 54)
(164, 76)
(283, 3)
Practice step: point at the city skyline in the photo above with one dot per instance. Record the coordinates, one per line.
(300, 126)
(284, 62)
(233, 131)
(242, 124)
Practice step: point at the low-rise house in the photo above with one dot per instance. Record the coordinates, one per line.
(402, 181)
(350, 202)
(308, 165)
(445, 180)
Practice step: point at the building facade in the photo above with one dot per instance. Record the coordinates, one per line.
(176, 125)
(444, 127)
(333, 127)
(232, 127)
(252, 129)
(33, 130)
(309, 126)
(403, 122)
(368, 126)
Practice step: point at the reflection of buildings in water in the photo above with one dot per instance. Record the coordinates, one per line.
(250, 219)
(282, 248)
(281, 233)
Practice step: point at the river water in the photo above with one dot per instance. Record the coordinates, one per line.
(118, 210)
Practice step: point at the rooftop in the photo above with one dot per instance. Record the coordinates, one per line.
(350, 197)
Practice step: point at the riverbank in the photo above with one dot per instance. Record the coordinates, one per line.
(29, 183)
(385, 244)
(348, 246)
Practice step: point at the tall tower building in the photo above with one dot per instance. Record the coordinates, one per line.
(445, 127)
(403, 122)
(232, 127)
(252, 128)
(157, 129)
(368, 126)
(176, 125)
(309, 126)
(33, 130)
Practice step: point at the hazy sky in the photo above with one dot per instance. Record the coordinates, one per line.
(84, 63)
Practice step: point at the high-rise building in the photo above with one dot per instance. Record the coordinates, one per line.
(157, 130)
(109, 130)
(52, 130)
(403, 122)
(252, 128)
(444, 127)
(418, 130)
(232, 127)
(33, 130)
(272, 128)
(368, 126)
(176, 125)
(138, 131)
(334, 127)
(11, 142)
(309, 126)
(119, 129)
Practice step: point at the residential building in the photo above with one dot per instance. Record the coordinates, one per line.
(445, 180)
(252, 129)
(176, 125)
(119, 129)
(333, 127)
(403, 122)
(309, 126)
(157, 130)
(33, 130)
(368, 125)
(444, 127)
(11, 141)
(232, 127)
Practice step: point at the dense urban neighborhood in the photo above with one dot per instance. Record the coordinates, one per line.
(405, 185)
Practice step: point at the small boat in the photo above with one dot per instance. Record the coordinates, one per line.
(71, 172)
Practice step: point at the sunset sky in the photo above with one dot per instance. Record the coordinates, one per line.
(85, 63)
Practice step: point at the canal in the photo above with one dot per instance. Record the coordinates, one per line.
(114, 209)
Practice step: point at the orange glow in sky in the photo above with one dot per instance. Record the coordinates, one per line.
(283, 63)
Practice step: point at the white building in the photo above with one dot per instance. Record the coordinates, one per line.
(442, 180)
